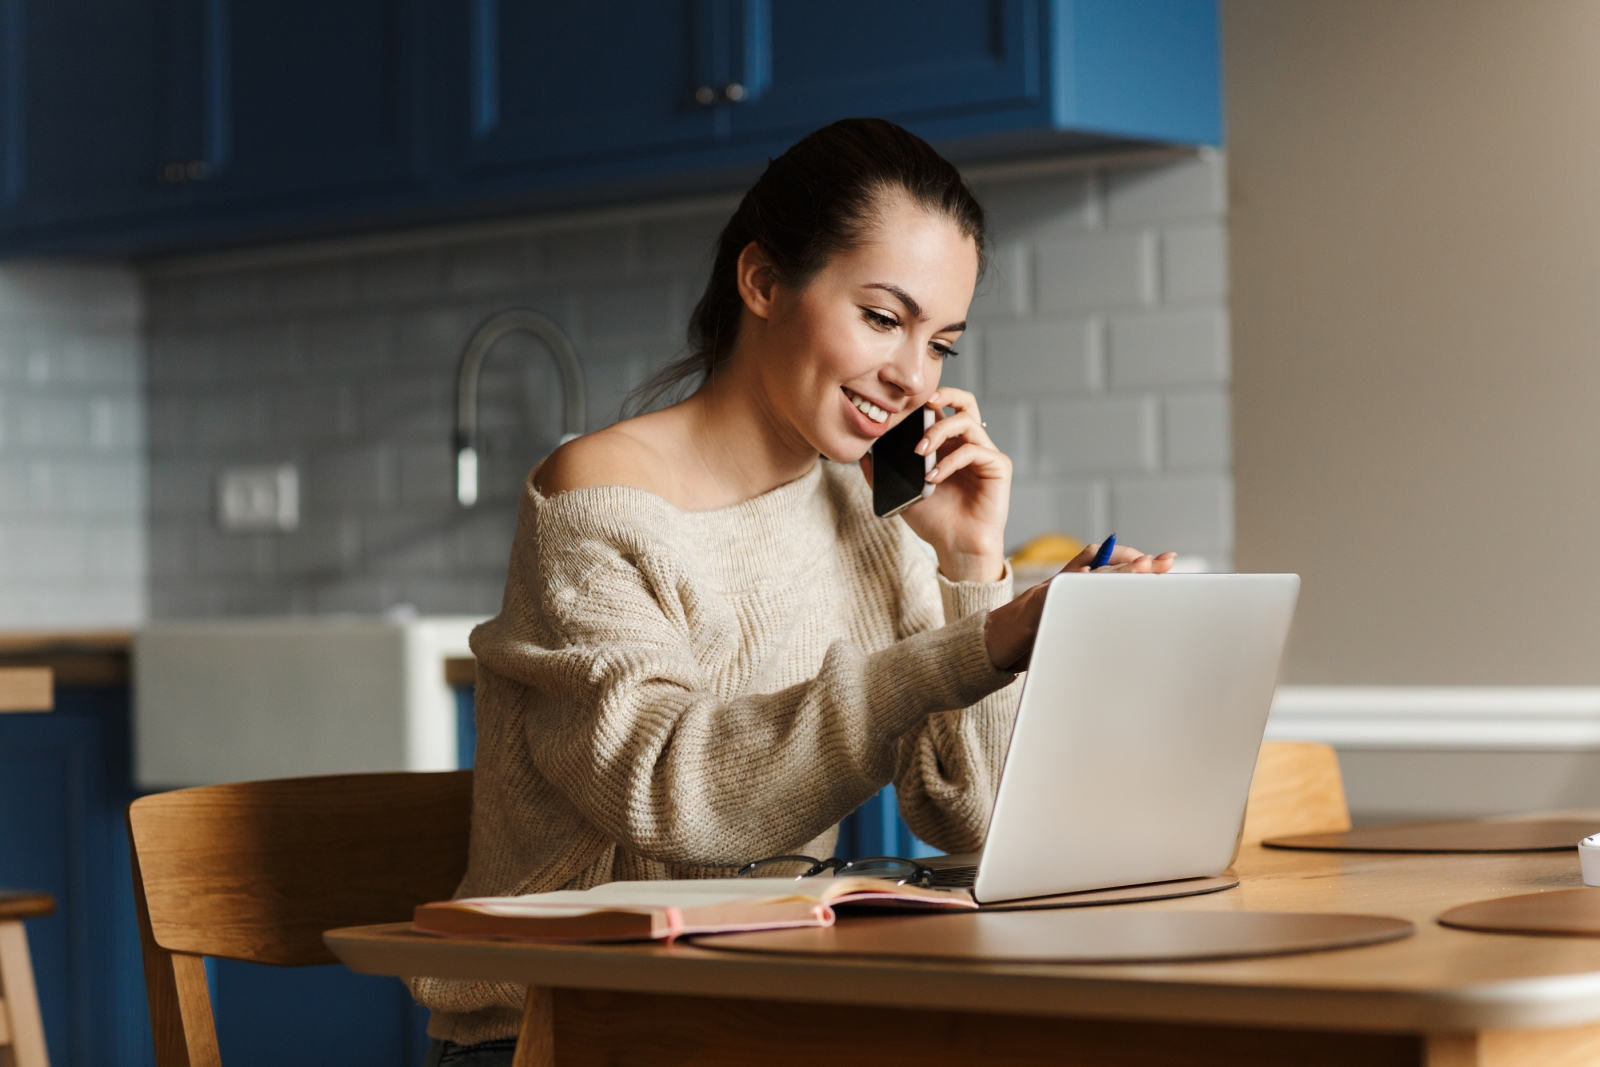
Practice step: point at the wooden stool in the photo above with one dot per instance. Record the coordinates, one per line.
(21, 1029)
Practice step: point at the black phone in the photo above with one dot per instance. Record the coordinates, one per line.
(899, 475)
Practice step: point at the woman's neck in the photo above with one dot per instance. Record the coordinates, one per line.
(740, 447)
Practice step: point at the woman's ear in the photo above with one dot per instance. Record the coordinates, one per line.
(757, 282)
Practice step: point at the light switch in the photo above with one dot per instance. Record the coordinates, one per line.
(259, 499)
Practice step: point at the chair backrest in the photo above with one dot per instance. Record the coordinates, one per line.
(256, 871)
(1297, 789)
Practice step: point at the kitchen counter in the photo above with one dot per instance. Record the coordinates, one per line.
(94, 658)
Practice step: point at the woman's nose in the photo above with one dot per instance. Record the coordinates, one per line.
(906, 373)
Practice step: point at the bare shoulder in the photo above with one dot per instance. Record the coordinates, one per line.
(627, 453)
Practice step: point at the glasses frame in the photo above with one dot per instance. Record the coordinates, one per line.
(921, 874)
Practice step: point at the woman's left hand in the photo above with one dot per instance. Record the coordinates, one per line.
(965, 518)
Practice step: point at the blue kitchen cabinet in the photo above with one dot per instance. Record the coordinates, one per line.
(289, 100)
(987, 78)
(808, 62)
(65, 783)
(79, 107)
(143, 126)
(532, 84)
(130, 125)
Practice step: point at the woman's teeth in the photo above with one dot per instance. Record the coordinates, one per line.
(868, 408)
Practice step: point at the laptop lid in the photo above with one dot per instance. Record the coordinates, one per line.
(1141, 715)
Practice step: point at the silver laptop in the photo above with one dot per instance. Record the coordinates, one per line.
(1142, 712)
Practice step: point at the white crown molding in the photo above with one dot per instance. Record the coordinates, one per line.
(1532, 718)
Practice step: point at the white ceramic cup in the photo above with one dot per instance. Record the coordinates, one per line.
(1589, 856)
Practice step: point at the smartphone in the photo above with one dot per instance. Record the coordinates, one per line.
(899, 475)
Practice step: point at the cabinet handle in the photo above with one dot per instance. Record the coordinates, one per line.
(175, 173)
(733, 92)
(705, 96)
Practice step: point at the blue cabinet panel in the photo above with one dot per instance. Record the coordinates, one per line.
(78, 109)
(1138, 68)
(314, 1017)
(139, 126)
(536, 82)
(276, 99)
(813, 61)
(64, 782)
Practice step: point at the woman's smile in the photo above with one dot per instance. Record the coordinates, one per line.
(866, 417)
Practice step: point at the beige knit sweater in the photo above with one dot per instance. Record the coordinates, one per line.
(669, 694)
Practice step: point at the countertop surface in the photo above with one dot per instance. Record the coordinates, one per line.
(77, 657)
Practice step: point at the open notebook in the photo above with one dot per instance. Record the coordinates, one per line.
(641, 911)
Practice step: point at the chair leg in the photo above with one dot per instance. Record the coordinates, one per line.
(21, 1002)
(536, 1041)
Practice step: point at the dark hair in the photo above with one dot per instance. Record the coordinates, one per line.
(817, 199)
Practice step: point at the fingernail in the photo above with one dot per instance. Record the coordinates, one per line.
(922, 447)
(933, 474)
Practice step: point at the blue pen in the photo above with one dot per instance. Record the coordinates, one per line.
(1102, 557)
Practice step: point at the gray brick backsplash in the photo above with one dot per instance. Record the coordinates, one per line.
(73, 469)
(1196, 432)
(1099, 434)
(1040, 358)
(1098, 348)
(1100, 270)
(1192, 189)
(1168, 348)
(1033, 209)
(1190, 515)
(1005, 288)
(1194, 263)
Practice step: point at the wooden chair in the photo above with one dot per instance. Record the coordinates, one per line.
(258, 870)
(1297, 789)
(21, 1029)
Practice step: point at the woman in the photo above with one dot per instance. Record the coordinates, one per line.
(710, 649)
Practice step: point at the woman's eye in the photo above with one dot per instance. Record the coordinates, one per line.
(880, 320)
(944, 351)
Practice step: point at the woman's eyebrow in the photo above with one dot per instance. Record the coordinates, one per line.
(911, 305)
(914, 308)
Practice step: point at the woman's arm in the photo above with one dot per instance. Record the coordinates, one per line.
(622, 719)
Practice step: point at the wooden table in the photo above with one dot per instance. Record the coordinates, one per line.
(1444, 998)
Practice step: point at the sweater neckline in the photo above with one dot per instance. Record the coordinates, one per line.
(774, 500)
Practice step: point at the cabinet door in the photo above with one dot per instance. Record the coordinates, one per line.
(272, 99)
(538, 82)
(78, 110)
(809, 62)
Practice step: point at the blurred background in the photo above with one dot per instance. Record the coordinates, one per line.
(1282, 287)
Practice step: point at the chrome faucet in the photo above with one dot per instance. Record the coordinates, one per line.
(472, 357)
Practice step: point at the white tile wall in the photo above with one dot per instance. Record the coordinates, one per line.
(1104, 336)
(72, 466)
(1099, 349)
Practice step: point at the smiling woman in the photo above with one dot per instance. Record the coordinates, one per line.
(710, 649)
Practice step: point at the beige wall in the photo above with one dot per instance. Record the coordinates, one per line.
(1415, 225)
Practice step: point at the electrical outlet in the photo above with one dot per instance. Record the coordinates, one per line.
(259, 499)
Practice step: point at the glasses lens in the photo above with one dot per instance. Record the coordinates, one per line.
(780, 867)
(897, 870)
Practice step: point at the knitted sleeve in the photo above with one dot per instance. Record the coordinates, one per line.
(623, 721)
(948, 766)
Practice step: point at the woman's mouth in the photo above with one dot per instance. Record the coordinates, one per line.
(867, 407)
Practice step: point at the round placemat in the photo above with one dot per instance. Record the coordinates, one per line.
(1127, 894)
(1086, 936)
(1532, 835)
(1570, 912)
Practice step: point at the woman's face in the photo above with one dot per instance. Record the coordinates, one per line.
(861, 347)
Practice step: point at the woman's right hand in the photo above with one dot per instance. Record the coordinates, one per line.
(1009, 630)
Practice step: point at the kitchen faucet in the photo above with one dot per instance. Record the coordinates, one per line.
(478, 345)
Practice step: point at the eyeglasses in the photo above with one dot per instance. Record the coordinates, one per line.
(895, 868)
